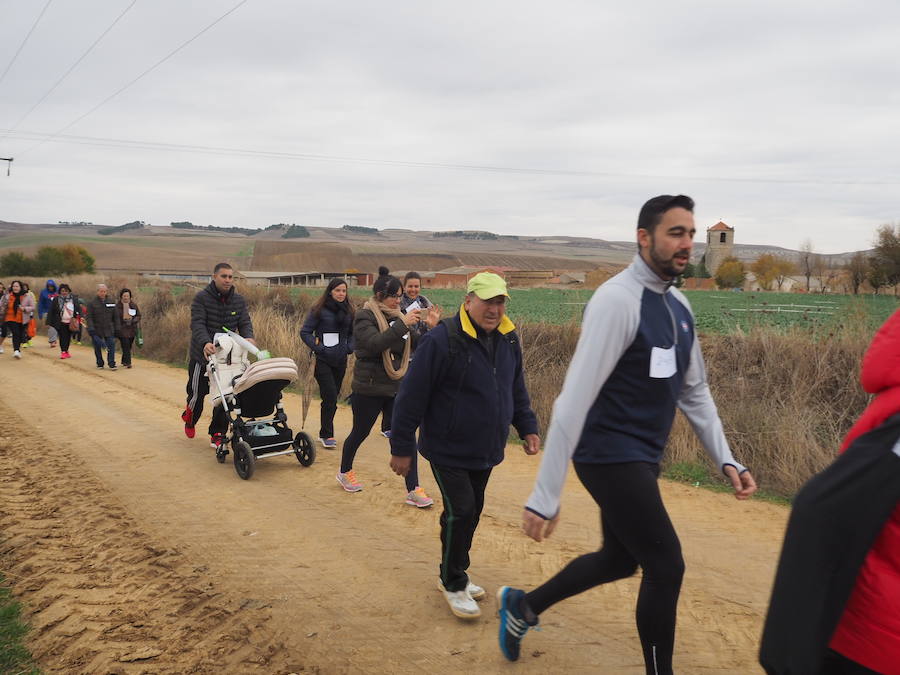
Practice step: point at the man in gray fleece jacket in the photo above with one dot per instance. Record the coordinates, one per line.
(637, 359)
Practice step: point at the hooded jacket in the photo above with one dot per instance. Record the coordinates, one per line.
(46, 298)
(211, 311)
(463, 396)
(869, 629)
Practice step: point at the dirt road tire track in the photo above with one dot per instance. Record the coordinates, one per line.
(134, 540)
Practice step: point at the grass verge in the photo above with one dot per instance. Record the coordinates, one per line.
(14, 657)
(698, 475)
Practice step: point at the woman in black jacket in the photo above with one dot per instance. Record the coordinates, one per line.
(65, 316)
(383, 346)
(328, 331)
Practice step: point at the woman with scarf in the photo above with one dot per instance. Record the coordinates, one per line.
(328, 332)
(64, 316)
(17, 309)
(127, 319)
(383, 346)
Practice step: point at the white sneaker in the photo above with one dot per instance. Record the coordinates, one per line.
(1, 350)
(462, 603)
(475, 591)
(17, 354)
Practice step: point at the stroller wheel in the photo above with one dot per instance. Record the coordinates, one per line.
(304, 449)
(244, 461)
(221, 453)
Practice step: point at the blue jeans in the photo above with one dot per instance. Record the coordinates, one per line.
(110, 344)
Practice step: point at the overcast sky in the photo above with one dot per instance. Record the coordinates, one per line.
(780, 118)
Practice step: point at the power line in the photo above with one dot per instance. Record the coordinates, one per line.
(271, 154)
(74, 65)
(135, 80)
(22, 46)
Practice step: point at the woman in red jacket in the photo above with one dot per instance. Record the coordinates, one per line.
(868, 635)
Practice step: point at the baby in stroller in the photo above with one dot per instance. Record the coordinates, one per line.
(250, 394)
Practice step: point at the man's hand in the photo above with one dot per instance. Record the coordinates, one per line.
(401, 465)
(209, 349)
(536, 527)
(532, 444)
(743, 483)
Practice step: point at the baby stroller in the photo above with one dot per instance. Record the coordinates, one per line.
(251, 397)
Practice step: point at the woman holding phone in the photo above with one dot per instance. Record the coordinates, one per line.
(383, 347)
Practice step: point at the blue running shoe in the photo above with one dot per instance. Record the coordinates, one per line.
(513, 625)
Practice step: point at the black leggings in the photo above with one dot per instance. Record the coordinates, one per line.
(19, 333)
(636, 531)
(126, 343)
(365, 412)
(65, 337)
(329, 378)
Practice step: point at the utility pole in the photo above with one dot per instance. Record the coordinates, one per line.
(9, 161)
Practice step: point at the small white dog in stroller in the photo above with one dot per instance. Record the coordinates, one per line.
(250, 393)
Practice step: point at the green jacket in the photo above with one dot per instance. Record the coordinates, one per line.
(369, 375)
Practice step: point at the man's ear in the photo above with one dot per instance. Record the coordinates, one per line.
(644, 238)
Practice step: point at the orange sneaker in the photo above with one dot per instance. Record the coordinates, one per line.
(348, 481)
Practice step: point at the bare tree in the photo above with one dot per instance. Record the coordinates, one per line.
(806, 260)
(857, 271)
(824, 270)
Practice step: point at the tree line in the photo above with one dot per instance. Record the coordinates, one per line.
(66, 259)
(879, 268)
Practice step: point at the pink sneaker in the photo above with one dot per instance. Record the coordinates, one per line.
(348, 481)
(418, 498)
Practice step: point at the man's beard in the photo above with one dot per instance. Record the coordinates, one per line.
(667, 265)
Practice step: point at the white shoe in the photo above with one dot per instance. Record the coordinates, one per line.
(1, 350)
(462, 603)
(17, 354)
(475, 591)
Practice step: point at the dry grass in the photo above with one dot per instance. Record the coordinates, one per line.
(786, 400)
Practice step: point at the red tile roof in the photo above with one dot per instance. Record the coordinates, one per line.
(719, 226)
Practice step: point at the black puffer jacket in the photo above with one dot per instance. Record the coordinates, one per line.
(333, 318)
(210, 311)
(369, 376)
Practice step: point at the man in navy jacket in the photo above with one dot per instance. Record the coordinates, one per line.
(463, 390)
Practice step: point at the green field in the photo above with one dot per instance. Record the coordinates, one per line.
(715, 311)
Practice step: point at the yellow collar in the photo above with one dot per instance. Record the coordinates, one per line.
(506, 324)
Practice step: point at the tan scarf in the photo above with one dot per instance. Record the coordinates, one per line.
(379, 310)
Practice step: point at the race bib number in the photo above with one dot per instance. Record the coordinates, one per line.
(662, 363)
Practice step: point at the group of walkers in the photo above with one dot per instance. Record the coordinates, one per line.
(65, 315)
(451, 388)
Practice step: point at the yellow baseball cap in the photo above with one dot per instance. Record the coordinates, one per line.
(487, 285)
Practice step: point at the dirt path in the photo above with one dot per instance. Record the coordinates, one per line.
(134, 551)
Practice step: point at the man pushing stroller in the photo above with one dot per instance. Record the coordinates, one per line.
(216, 307)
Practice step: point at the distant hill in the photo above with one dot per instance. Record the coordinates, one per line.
(332, 249)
